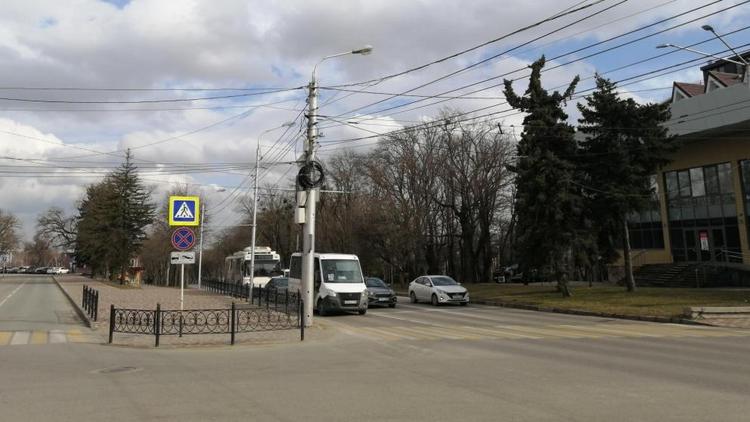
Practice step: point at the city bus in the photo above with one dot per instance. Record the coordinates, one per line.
(267, 265)
(338, 283)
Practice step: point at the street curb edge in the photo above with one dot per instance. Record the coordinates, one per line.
(81, 313)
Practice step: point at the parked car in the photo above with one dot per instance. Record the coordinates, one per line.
(11, 270)
(437, 289)
(64, 271)
(277, 283)
(40, 270)
(379, 293)
(54, 270)
(24, 269)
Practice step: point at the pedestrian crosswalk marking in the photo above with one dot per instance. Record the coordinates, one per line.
(38, 337)
(526, 332)
(24, 337)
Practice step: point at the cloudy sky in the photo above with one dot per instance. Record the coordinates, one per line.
(190, 85)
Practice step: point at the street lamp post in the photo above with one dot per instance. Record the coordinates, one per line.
(200, 245)
(308, 232)
(255, 199)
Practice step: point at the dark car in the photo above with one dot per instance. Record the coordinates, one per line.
(379, 293)
(277, 283)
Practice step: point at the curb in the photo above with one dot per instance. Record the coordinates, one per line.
(649, 318)
(81, 313)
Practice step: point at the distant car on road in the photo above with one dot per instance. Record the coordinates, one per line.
(278, 283)
(379, 293)
(41, 270)
(54, 270)
(437, 289)
(64, 271)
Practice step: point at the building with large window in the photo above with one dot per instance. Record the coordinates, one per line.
(701, 212)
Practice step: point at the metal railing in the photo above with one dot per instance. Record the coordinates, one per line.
(732, 256)
(241, 291)
(286, 313)
(90, 302)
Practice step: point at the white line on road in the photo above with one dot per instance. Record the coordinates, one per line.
(20, 337)
(12, 293)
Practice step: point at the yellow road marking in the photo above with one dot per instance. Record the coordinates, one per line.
(38, 337)
(5, 337)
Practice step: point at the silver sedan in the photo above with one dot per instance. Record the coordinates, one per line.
(437, 289)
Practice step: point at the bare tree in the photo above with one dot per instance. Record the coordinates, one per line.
(60, 229)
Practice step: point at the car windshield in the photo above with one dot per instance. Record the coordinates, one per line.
(443, 281)
(280, 282)
(341, 271)
(375, 282)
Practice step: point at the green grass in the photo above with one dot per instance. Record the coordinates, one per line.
(647, 301)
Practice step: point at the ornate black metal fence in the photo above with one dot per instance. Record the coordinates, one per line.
(284, 313)
(229, 289)
(90, 302)
(270, 298)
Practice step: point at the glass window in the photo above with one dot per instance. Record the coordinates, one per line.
(684, 179)
(696, 181)
(443, 281)
(714, 206)
(712, 180)
(673, 190)
(730, 207)
(341, 271)
(725, 177)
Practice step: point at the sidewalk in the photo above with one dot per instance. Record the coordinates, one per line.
(169, 298)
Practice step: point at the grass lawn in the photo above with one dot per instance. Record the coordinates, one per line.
(648, 301)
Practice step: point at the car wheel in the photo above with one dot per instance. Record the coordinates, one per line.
(362, 311)
(322, 308)
(434, 300)
(391, 305)
(413, 297)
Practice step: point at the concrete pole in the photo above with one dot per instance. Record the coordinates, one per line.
(200, 246)
(255, 213)
(308, 231)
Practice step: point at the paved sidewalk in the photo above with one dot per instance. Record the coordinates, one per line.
(148, 296)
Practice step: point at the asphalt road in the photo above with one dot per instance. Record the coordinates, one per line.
(34, 310)
(411, 363)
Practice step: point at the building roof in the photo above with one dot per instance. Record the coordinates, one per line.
(691, 90)
(727, 79)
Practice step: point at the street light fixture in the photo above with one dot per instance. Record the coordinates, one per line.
(255, 198)
(702, 53)
(710, 29)
(308, 232)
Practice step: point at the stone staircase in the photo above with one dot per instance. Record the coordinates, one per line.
(686, 274)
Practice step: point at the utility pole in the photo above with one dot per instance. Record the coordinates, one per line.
(255, 212)
(200, 245)
(308, 231)
(311, 196)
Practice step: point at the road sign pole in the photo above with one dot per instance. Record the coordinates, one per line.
(200, 246)
(182, 288)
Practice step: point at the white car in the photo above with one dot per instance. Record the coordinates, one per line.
(54, 270)
(437, 289)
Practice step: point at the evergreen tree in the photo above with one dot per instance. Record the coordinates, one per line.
(112, 220)
(548, 201)
(625, 144)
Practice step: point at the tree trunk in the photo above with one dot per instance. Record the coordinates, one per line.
(629, 280)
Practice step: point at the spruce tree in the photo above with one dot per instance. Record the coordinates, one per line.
(625, 145)
(548, 200)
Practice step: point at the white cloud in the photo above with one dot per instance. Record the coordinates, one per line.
(254, 43)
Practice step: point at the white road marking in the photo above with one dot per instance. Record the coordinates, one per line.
(12, 293)
(20, 337)
(57, 336)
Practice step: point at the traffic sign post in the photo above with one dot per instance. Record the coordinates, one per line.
(181, 258)
(184, 210)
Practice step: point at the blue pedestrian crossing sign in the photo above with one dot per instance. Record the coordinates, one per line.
(184, 211)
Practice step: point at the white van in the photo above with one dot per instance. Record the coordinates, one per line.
(338, 284)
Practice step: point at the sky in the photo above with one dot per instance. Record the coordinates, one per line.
(192, 86)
